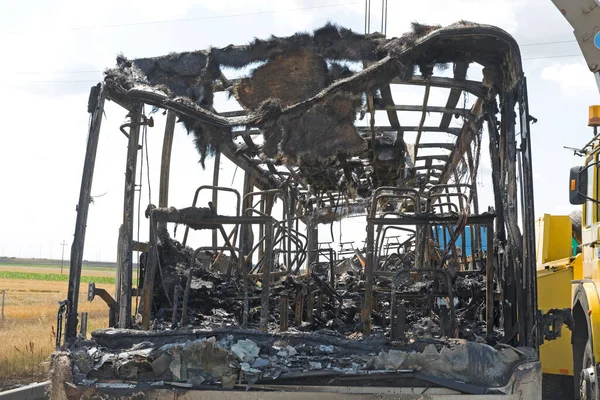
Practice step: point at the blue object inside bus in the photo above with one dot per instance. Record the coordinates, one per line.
(442, 235)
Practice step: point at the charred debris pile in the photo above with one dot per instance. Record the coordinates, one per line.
(249, 359)
(313, 300)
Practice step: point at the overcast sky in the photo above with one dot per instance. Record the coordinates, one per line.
(54, 51)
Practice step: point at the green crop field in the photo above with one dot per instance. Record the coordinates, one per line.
(53, 277)
(50, 266)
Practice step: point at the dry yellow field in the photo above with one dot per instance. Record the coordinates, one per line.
(24, 285)
(28, 332)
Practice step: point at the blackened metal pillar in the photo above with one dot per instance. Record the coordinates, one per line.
(163, 201)
(95, 108)
(245, 245)
(165, 164)
(266, 282)
(312, 241)
(369, 271)
(529, 262)
(128, 213)
(215, 194)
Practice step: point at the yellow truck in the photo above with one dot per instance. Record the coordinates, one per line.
(567, 252)
(568, 277)
(567, 257)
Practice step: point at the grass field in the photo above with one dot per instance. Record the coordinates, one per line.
(53, 269)
(28, 331)
(31, 276)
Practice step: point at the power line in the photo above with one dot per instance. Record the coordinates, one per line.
(224, 16)
(559, 56)
(90, 81)
(547, 43)
(99, 71)
(56, 81)
(55, 72)
(166, 21)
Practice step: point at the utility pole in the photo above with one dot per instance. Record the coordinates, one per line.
(62, 261)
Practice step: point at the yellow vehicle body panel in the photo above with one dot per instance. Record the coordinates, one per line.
(553, 234)
(554, 291)
(578, 267)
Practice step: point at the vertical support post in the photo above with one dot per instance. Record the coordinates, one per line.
(175, 304)
(186, 294)
(369, 267)
(84, 322)
(268, 201)
(299, 309)
(293, 198)
(400, 327)
(515, 249)
(215, 193)
(475, 202)
(266, 283)
(393, 310)
(332, 270)
(288, 214)
(148, 288)
(113, 314)
(471, 229)
(243, 269)
(283, 312)
(310, 304)
(95, 108)
(444, 321)
(245, 247)
(463, 237)
(128, 213)
(112, 318)
(489, 282)
(165, 164)
(528, 212)
(261, 230)
(313, 242)
(496, 176)
(3, 300)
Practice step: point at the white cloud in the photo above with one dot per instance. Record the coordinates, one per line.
(573, 78)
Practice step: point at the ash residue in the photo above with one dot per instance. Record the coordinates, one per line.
(216, 299)
(224, 358)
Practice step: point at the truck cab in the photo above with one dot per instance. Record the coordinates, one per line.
(569, 277)
(583, 190)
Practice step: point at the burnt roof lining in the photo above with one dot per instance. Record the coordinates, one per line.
(454, 32)
(456, 43)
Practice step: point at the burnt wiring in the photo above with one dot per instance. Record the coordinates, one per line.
(152, 227)
(139, 209)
